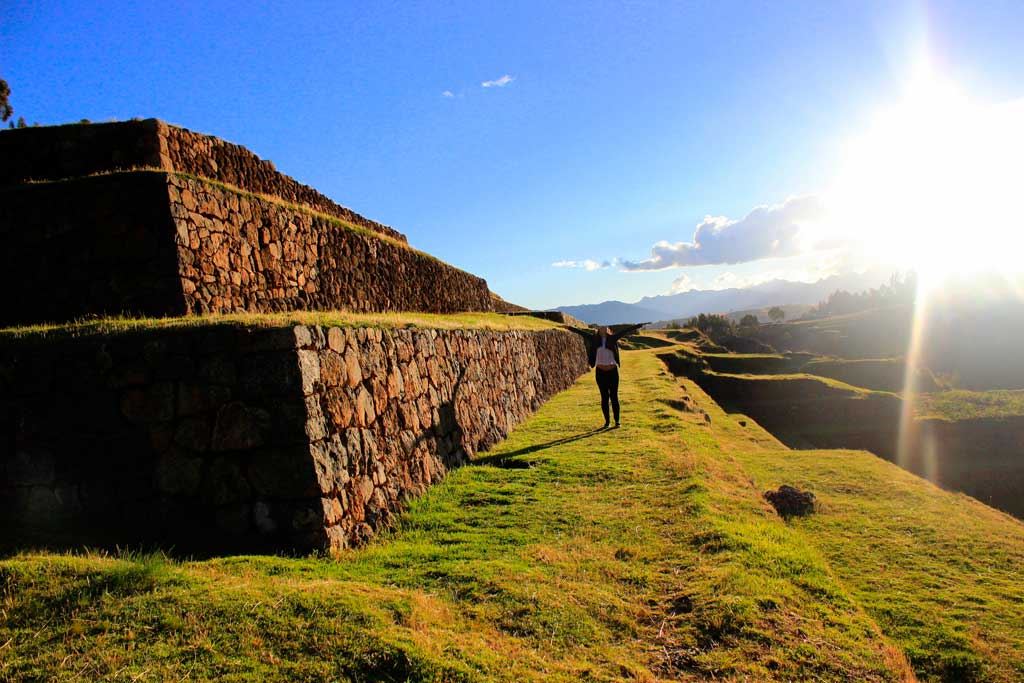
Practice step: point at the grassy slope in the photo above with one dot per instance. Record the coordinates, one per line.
(938, 571)
(960, 404)
(643, 553)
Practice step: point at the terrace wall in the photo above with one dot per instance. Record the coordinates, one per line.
(92, 245)
(157, 244)
(222, 438)
(242, 252)
(58, 152)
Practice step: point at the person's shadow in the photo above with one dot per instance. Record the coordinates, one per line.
(507, 460)
(448, 426)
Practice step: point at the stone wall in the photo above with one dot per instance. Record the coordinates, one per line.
(223, 438)
(58, 152)
(211, 157)
(93, 245)
(157, 244)
(70, 151)
(242, 252)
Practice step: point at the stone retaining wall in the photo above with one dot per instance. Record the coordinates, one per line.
(58, 152)
(241, 252)
(157, 244)
(222, 439)
(89, 246)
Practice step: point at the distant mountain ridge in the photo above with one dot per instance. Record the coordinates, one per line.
(686, 304)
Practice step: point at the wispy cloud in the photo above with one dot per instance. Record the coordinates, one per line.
(447, 93)
(588, 264)
(498, 82)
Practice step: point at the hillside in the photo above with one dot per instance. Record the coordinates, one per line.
(567, 553)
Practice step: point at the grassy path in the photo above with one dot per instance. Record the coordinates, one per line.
(565, 554)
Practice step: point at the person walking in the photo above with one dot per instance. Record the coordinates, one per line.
(603, 356)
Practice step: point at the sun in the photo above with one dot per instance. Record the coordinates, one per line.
(936, 184)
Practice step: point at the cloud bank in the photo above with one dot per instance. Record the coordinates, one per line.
(766, 232)
(498, 82)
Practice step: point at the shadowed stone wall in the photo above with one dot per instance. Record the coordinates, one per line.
(157, 244)
(57, 152)
(223, 438)
(102, 244)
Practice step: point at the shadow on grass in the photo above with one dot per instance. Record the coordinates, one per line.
(506, 459)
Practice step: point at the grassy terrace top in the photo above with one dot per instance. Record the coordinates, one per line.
(961, 404)
(457, 321)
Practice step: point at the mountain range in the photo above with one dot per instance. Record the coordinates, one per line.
(694, 301)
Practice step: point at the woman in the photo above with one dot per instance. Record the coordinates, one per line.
(603, 354)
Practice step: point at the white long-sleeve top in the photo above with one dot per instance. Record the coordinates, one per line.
(604, 354)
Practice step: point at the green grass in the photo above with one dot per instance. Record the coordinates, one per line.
(939, 572)
(455, 321)
(645, 553)
(960, 404)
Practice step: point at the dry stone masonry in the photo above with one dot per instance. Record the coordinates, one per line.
(60, 152)
(224, 438)
(177, 241)
(241, 252)
(208, 437)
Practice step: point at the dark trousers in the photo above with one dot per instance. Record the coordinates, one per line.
(608, 383)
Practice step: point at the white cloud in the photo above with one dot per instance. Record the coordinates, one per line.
(588, 264)
(498, 82)
(766, 232)
(447, 93)
(683, 283)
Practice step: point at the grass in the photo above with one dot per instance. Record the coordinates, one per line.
(566, 554)
(960, 404)
(939, 572)
(456, 321)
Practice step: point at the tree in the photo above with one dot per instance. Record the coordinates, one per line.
(749, 323)
(776, 314)
(5, 106)
(714, 325)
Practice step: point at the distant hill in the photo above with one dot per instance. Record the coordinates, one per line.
(686, 304)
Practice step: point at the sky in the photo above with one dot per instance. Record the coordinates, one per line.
(567, 152)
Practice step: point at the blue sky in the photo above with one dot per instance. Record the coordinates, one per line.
(622, 124)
